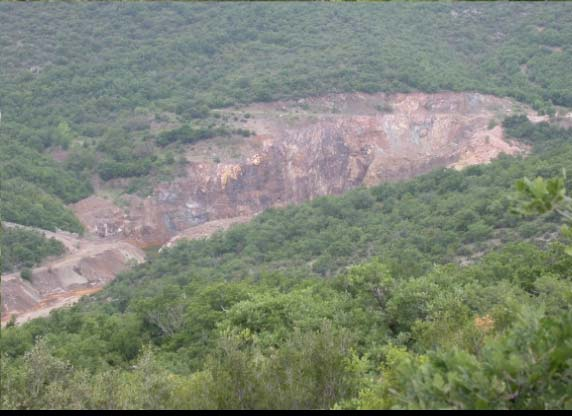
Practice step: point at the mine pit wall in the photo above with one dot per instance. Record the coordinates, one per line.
(316, 153)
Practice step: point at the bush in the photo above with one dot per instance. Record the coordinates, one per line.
(26, 274)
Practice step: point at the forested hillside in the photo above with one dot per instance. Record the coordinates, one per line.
(276, 313)
(25, 248)
(115, 83)
(429, 293)
(98, 84)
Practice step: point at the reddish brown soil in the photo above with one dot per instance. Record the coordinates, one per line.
(88, 265)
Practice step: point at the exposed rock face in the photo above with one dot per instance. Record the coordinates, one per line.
(314, 147)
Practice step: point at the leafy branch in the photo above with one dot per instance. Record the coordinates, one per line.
(540, 196)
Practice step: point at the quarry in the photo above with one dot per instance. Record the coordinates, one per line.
(300, 149)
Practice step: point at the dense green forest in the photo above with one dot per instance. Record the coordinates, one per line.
(25, 248)
(355, 301)
(93, 87)
(431, 293)
(113, 69)
(35, 189)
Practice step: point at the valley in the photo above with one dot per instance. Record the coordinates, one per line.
(327, 205)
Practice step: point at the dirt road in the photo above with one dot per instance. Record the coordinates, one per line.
(87, 266)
